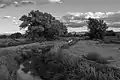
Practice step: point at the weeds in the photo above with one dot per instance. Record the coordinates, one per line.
(65, 66)
(58, 64)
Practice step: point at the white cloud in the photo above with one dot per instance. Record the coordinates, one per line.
(14, 20)
(85, 29)
(24, 2)
(54, 1)
(87, 14)
(78, 19)
(79, 29)
(114, 29)
(110, 13)
(18, 3)
(3, 5)
(116, 23)
(14, 17)
(75, 13)
(6, 17)
(9, 17)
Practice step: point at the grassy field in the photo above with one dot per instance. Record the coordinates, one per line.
(69, 56)
(11, 42)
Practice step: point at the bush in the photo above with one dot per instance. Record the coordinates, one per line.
(95, 57)
(110, 33)
(97, 28)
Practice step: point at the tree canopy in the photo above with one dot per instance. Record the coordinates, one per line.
(42, 24)
(97, 28)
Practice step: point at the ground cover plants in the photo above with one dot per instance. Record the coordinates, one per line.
(66, 66)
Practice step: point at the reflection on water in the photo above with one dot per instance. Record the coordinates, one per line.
(23, 76)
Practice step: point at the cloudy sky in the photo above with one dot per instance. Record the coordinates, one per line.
(72, 12)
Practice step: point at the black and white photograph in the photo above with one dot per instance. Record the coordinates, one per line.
(59, 39)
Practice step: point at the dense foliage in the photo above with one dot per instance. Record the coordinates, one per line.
(16, 35)
(41, 24)
(110, 33)
(3, 36)
(97, 28)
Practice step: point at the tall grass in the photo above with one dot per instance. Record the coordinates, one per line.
(60, 64)
(56, 63)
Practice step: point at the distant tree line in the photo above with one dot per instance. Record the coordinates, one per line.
(15, 35)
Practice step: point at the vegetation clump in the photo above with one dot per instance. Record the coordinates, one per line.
(39, 24)
(97, 28)
(93, 56)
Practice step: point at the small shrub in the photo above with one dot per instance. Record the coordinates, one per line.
(65, 46)
(96, 57)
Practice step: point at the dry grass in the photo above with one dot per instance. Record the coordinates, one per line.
(8, 57)
(10, 42)
(76, 68)
(62, 64)
(58, 64)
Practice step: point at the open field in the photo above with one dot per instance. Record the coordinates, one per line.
(108, 51)
(105, 50)
(10, 42)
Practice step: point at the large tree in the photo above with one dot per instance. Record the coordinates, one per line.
(97, 28)
(40, 24)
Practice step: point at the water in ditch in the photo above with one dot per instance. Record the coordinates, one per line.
(21, 75)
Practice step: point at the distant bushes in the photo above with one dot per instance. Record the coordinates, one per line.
(16, 35)
(3, 36)
(110, 33)
(9, 43)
